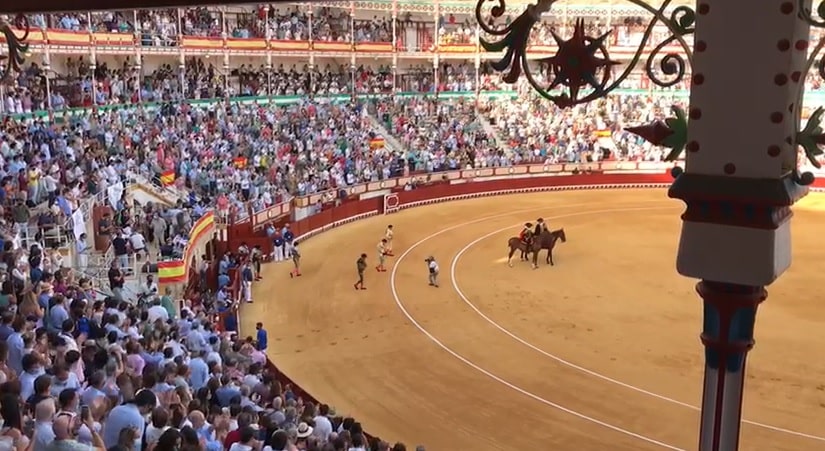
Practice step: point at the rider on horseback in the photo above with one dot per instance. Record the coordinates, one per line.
(526, 235)
(541, 227)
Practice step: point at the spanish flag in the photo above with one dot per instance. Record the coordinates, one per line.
(239, 162)
(171, 271)
(203, 226)
(167, 178)
(377, 142)
(604, 133)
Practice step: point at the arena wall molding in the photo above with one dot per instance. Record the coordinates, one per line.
(448, 191)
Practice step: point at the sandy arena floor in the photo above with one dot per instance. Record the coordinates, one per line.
(600, 352)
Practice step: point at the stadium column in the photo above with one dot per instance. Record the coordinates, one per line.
(394, 45)
(394, 25)
(739, 182)
(184, 89)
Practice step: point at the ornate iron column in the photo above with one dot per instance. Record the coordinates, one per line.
(740, 174)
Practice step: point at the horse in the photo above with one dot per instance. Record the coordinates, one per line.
(547, 240)
(515, 243)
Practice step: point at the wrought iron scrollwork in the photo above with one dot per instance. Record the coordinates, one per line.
(17, 46)
(583, 61)
(811, 137)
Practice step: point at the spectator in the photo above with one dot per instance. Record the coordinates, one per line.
(261, 337)
(129, 416)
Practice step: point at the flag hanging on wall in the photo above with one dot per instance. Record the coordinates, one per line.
(167, 178)
(171, 272)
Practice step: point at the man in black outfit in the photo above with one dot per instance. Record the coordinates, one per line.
(121, 246)
(116, 281)
(541, 227)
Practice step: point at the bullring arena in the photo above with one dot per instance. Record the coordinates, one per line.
(600, 351)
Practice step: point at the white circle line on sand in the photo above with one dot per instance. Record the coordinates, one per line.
(454, 281)
(489, 374)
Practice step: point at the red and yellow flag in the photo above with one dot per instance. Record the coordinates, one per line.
(377, 142)
(171, 272)
(239, 162)
(167, 178)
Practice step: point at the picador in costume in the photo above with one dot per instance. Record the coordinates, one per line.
(526, 234)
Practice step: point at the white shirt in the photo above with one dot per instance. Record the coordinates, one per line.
(50, 183)
(433, 266)
(251, 380)
(213, 356)
(323, 427)
(71, 344)
(153, 433)
(238, 446)
(137, 241)
(157, 311)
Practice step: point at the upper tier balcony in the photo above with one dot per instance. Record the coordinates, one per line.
(388, 29)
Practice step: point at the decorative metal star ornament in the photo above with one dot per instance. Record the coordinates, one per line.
(577, 63)
(672, 133)
(583, 61)
(812, 136)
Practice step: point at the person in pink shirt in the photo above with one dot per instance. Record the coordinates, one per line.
(134, 362)
(169, 163)
(223, 205)
(248, 349)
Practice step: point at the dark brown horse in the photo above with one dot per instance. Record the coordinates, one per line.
(546, 240)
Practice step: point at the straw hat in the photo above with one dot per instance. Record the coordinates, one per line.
(304, 430)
